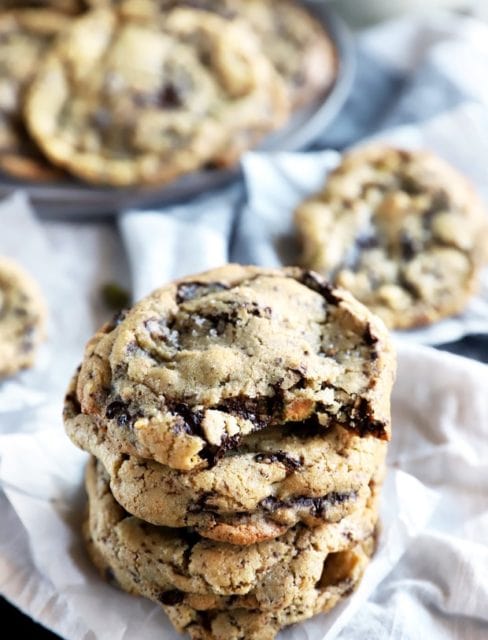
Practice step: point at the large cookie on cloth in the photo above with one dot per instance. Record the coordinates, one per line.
(305, 570)
(402, 230)
(126, 100)
(206, 360)
(275, 479)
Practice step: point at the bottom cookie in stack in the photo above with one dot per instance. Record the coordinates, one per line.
(216, 590)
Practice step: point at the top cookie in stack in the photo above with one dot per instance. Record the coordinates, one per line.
(231, 413)
(200, 364)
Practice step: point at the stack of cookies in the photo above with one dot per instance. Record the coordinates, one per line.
(134, 92)
(238, 423)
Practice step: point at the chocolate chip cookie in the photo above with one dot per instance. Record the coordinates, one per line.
(273, 480)
(296, 43)
(25, 35)
(301, 571)
(22, 318)
(402, 230)
(206, 360)
(125, 100)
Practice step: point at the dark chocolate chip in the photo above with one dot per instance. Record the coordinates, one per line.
(191, 421)
(361, 420)
(408, 246)
(227, 444)
(291, 464)
(368, 336)
(169, 97)
(315, 282)
(260, 411)
(316, 506)
(119, 411)
(171, 598)
(411, 185)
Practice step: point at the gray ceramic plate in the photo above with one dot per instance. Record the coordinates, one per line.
(72, 198)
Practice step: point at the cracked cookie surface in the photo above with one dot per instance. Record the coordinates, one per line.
(301, 571)
(402, 230)
(206, 360)
(273, 480)
(124, 100)
(22, 318)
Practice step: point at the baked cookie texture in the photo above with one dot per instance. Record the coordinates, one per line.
(273, 480)
(402, 230)
(237, 422)
(25, 35)
(22, 318)
(126, 100)
(291, 38)
(204, 361)
(199, 581)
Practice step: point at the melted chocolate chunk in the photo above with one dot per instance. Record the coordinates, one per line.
(316, 506)
(201, 504)
(259, 411)
(409, 246)
(191, 420)
(119, 411)
(227, 444)
(315, 282)
(360, 420)
(291, 464)
(171, 598)
(192, 290)
(368, 336)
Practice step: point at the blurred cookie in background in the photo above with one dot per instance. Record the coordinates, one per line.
(65, 6)
(25, 35)
(402, 230)
(124, 100)
(293, 40)
(22, 318)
